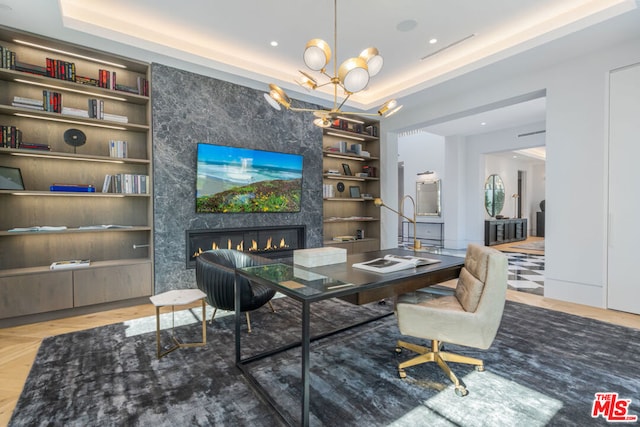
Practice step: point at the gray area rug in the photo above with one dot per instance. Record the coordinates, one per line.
(543, 370)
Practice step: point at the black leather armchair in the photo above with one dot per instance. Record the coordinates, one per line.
(218, 283)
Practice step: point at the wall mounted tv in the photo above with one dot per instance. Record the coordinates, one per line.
(231, 180)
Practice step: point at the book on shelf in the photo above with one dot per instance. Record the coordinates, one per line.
(79, 188)
(344, 238)
(392, 263)
(38, 228)
(72, 263)
(77, 112)
(34, 146)
(104, 227)
(30, 68)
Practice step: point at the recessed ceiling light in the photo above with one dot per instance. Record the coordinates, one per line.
(274, 43)
(407, 25)
(483, 124)
(433, 41)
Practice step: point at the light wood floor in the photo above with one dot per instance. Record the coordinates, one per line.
(20, 344)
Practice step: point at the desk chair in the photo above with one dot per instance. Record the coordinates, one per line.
(469, 316)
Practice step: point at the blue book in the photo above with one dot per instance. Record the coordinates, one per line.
(73, 188)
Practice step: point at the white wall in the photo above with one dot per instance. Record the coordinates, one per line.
(507, 169)
(420, 152)
(576, 167)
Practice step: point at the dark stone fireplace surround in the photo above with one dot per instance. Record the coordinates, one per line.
(269, 242)
(188, 108)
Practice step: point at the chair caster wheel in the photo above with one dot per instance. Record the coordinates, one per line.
(402, 373)
(461, 391)
(480, 368)
(398, 349)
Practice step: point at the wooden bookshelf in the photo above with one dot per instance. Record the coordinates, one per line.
(121, 258)
(344, 215)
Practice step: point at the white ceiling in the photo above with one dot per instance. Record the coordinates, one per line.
(234, 37)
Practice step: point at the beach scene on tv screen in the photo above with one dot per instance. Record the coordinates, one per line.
(231, 179)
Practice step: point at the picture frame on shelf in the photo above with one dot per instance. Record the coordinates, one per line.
(10, 178)
(346, 169)
(354, 191)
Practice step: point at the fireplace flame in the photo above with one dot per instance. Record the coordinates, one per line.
(254, 246)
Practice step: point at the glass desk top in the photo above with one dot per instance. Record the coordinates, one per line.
(293, 280)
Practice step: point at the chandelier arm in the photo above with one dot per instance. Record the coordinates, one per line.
(354, 113)
(343, 101)
(324, 84)
(307, 110)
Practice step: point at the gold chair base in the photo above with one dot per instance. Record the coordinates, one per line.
(176, 341)
(434, 354)
(246, 314)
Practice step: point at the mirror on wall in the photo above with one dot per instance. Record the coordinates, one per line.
(428, 198)
(494, 195)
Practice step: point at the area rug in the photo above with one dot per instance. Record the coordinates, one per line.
(531, 246)
(543, 369)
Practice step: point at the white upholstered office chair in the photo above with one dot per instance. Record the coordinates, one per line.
(469, 316)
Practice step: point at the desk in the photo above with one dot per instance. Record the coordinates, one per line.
(308, 285)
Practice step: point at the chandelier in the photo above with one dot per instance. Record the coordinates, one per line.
(352, 76)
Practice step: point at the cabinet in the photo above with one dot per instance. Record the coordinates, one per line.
(498, 231)
(121, 257)
(351, 181)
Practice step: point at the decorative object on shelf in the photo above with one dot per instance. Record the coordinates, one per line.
(354, 191)
(352, 76)
(515, 197)
(340, 187)
(494, 195)
(417, 245)
(75, 138)
(347, 169)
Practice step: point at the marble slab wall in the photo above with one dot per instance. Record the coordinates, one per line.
(188, 108)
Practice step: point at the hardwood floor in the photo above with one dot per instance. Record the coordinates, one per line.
(20, 344)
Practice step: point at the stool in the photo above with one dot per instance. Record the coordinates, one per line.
(173, 298)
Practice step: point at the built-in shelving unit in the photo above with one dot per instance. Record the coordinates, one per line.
(353, 142)
(121, 258)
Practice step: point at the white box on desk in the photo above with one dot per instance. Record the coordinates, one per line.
(316, 257)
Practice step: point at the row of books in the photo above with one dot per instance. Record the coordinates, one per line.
(65, 70)
(126, 183)
(7, 58)
(62, 70)
(51, 101)
(118, 149)
(10, 136)
(355, 127)
(96, 111)
(328, 191)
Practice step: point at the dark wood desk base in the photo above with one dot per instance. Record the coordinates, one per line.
(406, 285)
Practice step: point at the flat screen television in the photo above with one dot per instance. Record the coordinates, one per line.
(231, 180)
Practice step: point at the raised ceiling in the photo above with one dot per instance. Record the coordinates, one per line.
(235, 36)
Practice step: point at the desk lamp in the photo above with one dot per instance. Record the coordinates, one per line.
(417, 245)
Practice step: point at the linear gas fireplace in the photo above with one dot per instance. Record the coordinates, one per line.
(270, 242)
